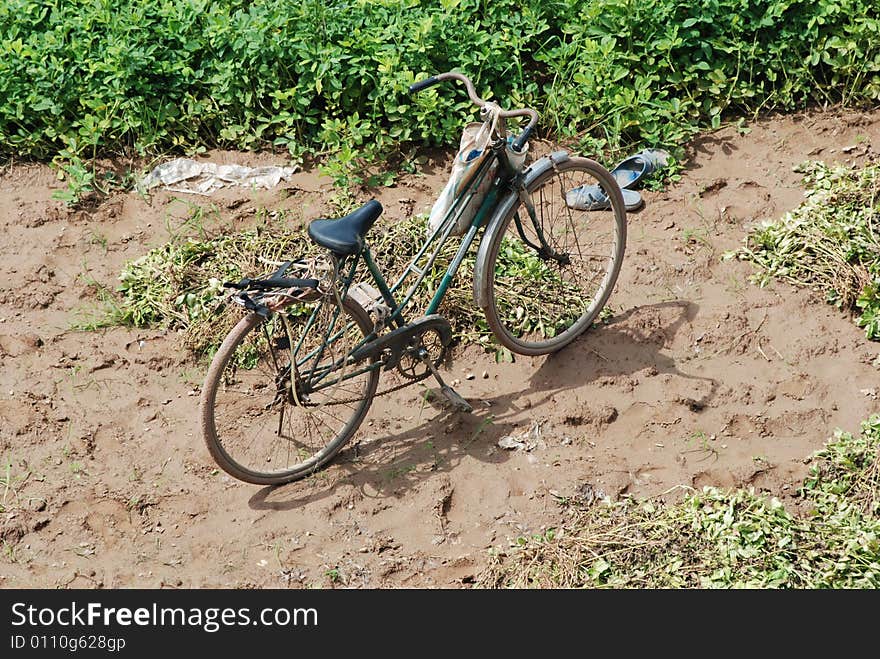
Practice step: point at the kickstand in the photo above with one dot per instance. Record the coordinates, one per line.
(458, 403)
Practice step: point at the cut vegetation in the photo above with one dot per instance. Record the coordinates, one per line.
(718, 538)
(830, 243)
(179, 285)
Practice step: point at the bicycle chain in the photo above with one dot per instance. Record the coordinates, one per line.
(407, 381)
(403, 385)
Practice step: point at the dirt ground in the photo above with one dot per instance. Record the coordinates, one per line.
(701, 378)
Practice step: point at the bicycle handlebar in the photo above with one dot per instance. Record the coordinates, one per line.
(419, 86)
(472, 93)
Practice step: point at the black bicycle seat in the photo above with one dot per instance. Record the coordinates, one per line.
(346, 235)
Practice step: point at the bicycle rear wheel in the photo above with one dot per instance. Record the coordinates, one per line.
(540, 300)
(278, 402)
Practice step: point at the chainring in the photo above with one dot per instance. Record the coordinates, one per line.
(411, 364)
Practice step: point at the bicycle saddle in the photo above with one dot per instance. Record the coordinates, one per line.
(346, 235)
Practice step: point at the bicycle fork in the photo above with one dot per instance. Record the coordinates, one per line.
(545, 252)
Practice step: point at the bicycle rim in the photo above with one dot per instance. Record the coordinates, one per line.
(277, 402)
(536, 303)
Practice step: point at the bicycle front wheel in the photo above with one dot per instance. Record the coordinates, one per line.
(279, 401)
(550, 271)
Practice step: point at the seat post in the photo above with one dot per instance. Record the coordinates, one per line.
(382, 285)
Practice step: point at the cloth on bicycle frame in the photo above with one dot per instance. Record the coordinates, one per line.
(472, 151)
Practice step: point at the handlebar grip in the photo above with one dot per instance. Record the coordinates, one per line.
(240, 285)
(520, 141)
(422, 84)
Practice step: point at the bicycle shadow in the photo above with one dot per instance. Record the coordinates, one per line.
(623, 348)
(392, 465)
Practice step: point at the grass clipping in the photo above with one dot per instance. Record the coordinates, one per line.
(718, 538)
(830, 243)
(179, 285)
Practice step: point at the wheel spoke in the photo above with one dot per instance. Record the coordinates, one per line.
(258, 432)
(539, 303)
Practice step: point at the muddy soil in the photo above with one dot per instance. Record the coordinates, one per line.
(700, 378)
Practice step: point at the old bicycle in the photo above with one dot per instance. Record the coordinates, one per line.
(293, 380)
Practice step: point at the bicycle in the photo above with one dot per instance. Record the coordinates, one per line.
(292, 382)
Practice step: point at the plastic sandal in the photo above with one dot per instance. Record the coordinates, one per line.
(629, 171)
(593, 198)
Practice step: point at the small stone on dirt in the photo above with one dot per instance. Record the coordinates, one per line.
(691, 404)
(102, 363)
(714, 186)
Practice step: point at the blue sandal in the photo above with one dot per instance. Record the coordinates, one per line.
(630, 171)
(593, 198)
(627, 173)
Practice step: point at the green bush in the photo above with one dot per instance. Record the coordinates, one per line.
(81, 77)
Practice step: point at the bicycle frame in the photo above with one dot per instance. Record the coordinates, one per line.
(504, 179)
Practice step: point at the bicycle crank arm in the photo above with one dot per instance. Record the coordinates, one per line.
(455, 399)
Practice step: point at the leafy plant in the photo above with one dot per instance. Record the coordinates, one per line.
(869, 303)
(79, 181)
(719, 538)
(329, 78)
(829, 243)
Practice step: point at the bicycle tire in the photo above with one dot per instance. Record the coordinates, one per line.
(234, 398)
(528, 297)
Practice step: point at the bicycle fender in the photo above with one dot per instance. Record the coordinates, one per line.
(481, 276)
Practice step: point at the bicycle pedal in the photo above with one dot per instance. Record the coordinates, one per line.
(457, 402)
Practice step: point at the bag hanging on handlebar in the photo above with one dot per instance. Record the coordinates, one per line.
(473, 149)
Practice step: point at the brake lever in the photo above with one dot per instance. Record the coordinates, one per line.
(244, 300)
